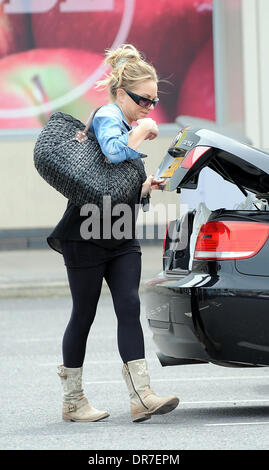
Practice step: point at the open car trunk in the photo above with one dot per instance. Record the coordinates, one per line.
(193, 149)
(240, 164)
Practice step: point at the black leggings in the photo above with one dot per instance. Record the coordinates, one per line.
(122, 275)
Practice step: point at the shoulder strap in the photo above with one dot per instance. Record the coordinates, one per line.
(81, 136)
(91, 119)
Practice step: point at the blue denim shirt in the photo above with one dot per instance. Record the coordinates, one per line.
(112, 132)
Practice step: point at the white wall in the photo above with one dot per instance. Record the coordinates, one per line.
(228, 64)
(255, 40)
(241, 38)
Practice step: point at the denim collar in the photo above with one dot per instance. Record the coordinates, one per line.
(123, 117)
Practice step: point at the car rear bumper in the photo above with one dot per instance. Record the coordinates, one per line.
(222, 319)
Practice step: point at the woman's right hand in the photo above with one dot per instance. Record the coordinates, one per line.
(149, 125)
(146, 129)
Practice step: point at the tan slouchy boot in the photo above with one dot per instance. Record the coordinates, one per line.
(144, 402)
(75, 405)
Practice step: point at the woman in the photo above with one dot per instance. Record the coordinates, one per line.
(132, 86)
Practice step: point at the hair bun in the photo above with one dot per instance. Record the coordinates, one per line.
(121, 61)
(129, 67)
(121, 55)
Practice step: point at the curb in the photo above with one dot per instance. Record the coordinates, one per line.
(45, 289)
(34, 289)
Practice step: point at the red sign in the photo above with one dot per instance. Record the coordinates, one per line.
(52, 52)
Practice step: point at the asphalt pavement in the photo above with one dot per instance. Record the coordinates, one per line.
(42, 273)
(220, 408)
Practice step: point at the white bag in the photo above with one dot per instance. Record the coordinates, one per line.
(251, 203)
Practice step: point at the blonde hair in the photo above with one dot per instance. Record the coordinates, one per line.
(128, 69)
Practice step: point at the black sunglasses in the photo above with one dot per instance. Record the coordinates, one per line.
(141, 100)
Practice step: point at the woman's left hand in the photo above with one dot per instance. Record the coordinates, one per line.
(150, 184)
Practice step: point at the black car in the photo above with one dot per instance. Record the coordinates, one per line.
(214, 309)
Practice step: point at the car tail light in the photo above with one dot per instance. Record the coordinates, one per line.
(230, 240)
(193, 156)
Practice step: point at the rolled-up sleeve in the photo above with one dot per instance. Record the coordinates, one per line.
(113, 140)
